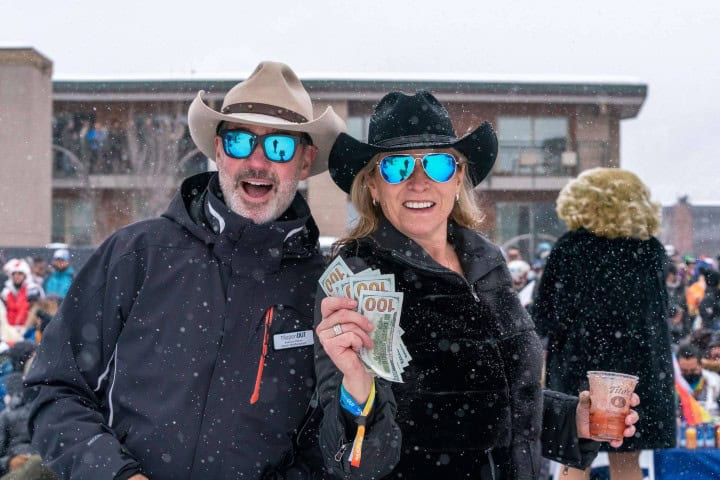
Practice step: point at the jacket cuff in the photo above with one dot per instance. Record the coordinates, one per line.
(560, 440)
(588, 451)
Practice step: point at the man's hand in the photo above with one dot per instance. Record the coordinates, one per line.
(582, 418)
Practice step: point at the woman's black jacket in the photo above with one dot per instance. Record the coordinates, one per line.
(472, 389)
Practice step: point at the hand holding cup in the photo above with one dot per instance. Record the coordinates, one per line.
(609, 418)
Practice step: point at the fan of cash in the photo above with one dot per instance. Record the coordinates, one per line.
(382, 306)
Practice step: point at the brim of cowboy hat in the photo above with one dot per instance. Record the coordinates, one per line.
(203, 122)
(348, 156)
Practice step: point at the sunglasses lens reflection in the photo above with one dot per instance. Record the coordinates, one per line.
(439, 166)
(396, 168)
(279, 148)
(238, 144)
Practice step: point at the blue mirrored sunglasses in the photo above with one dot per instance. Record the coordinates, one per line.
(278, 147)
(439, 167)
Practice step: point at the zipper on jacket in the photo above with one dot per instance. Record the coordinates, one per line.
(312, 407)
(474, 293)
(341, 451)
(261, 366)
(491, 462)
(404, 260)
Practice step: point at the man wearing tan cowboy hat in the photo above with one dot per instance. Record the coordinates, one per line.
(183, 349)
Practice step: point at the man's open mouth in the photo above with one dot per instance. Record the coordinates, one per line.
(256, 188)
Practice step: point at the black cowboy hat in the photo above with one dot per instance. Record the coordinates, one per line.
(403, 122)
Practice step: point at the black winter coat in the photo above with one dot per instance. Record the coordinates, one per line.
(151, 361)
(603, 306)
(472, 388)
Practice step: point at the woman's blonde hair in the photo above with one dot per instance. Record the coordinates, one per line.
(611, 203)
(465, 212)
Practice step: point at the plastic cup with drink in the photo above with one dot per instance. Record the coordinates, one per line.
(610, 394)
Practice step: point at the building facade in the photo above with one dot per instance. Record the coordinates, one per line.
(692, 229)
(25, 156)
(121, 147)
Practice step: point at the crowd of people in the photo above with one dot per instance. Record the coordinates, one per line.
(694, 322)
(32, 291)
(198, 345)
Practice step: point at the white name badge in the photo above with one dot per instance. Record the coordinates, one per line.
(301, 338)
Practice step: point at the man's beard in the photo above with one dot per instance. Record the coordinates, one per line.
(279, 200)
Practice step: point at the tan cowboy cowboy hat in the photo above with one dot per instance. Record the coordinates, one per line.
(271, 97)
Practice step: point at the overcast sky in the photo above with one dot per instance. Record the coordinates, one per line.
(674, 144)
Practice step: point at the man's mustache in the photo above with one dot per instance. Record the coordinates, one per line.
(255, 175)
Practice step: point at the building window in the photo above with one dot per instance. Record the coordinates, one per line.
(526, 225)
(532, 146)
(72, 221)
(358, 127)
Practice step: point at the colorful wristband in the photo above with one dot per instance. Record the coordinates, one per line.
(349, 403)
(361, 412)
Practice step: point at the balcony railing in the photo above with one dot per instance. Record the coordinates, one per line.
(522, 160)
(158, 145)
(67, 164)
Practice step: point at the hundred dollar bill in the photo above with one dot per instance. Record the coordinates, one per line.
(342, 288)
(401, 350)
(351, 286)
(334, 273)
(376, 283)
(383, 310)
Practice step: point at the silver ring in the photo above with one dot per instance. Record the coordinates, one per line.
(337, 328)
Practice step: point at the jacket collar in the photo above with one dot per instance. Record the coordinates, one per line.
(477, 255)
(290, 232)
(199, 207)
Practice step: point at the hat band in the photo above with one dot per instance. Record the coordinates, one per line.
(265, 109)
(410, 140)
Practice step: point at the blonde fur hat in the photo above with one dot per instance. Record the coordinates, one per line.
(611, 203)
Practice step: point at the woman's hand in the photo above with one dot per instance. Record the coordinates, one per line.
(342, 332)
(582, 418)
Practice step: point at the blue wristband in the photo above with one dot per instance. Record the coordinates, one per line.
(348, 402)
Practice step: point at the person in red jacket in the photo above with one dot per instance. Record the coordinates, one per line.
(19, 292)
